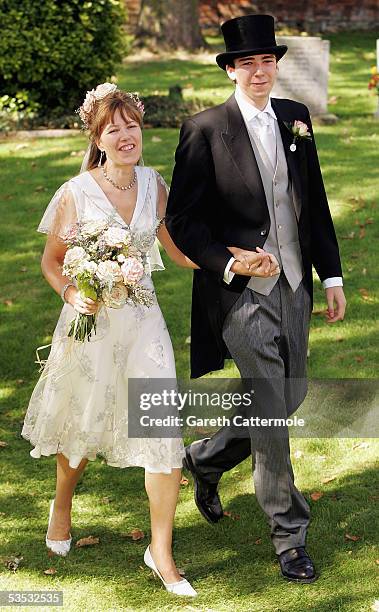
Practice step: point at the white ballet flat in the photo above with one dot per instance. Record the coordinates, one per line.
(182, 587)
(59, 547)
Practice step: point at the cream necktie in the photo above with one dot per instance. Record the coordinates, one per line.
(267, 137)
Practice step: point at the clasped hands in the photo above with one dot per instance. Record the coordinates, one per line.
(251, 263)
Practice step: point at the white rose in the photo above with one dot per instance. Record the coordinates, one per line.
(116, 297)
(93, 227)
(109, 272)
(88, 266)
(73, 258)
(116, 236)
(104, 89)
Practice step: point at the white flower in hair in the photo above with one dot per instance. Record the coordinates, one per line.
(92, 96)
(104, 89)
(101, 91)
(139, 104)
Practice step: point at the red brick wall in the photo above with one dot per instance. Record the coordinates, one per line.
(308, 15)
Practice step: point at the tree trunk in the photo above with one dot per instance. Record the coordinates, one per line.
(169, 24)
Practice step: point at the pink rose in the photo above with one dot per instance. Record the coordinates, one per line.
(71, 233)
(89, 101)
(132, 270)
(300, 128)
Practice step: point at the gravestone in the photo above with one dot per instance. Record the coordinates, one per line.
(303, 72)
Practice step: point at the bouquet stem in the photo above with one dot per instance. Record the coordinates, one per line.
(82, 327)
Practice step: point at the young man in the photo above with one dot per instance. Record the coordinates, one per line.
(240, 182)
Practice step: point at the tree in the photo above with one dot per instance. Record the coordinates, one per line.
(169, 24)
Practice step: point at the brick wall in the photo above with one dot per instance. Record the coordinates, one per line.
(308, 15)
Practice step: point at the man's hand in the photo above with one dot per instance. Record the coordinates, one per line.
(250, 263)
(336, 300)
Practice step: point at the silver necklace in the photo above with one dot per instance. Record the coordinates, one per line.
(111, 181)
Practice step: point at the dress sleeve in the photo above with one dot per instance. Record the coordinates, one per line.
(60, 215)
(154, 259)
(162, 197)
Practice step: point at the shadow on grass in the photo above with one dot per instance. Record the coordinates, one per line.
(225, 552)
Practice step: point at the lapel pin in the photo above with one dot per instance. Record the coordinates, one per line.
(299, 131)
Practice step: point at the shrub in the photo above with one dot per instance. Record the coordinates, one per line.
(17, 111)
(171, 110)
(56, 51)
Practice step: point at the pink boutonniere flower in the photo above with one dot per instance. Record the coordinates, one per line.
(299, 130)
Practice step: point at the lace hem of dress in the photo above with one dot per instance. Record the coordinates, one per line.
(113, 455)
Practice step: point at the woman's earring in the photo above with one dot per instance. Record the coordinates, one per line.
(100, 159)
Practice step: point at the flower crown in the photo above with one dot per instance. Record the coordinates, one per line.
(101, 91)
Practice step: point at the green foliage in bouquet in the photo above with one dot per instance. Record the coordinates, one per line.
(83, 326)
(56, 51)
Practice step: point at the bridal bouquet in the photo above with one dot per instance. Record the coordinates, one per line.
(106, 265)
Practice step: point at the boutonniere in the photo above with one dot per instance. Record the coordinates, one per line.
(299, 130)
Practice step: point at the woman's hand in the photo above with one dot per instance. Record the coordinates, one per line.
(274, 264)
(81, 304)
(251, 263)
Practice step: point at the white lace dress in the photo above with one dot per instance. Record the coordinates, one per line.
(79, 405)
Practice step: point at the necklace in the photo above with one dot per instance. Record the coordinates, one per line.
(108, 178)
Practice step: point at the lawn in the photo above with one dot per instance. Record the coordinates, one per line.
(232, 565)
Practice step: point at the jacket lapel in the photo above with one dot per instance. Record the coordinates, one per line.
(291, 157)
(237, 142)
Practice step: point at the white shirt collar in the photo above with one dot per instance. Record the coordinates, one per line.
(248, 110)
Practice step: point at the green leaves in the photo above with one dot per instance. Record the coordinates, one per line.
(57, 53)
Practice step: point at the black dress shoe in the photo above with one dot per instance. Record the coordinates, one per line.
(206, 496)
(296, 565)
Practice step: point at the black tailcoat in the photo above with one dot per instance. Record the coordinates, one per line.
(217, 200)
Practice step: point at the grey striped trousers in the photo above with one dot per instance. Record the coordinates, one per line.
(267, 336)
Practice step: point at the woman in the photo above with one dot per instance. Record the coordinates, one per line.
(78, 408)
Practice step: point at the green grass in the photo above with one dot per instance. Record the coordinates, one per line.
(352, 55)
(225, 565)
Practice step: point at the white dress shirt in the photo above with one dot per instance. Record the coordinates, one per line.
(252, 117)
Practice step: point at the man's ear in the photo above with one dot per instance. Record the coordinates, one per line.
(231, 72)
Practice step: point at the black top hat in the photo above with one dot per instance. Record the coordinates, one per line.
(249, 35)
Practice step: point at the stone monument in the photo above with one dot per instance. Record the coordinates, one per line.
(303, 72)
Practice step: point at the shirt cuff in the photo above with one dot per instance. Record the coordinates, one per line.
(336, 281)
(228, 276)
